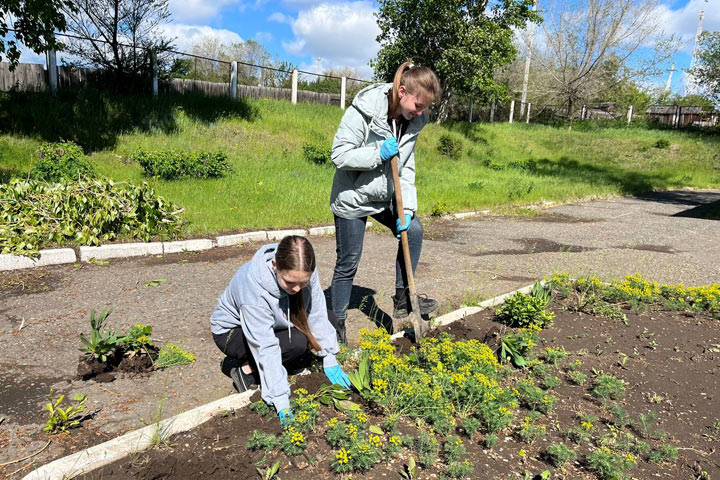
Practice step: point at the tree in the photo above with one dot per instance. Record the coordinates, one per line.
(592, 46)
(463, 41)
(706, 73)
(121, 34)
(34, 23)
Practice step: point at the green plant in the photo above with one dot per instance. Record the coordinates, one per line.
(427, 448)
(662, 143)
(171, 355)
(457, 470)
(85, 211)
(490, 440)
(549, 383)
(292, 441)
(471, 425)
(560, 454)
(317, 154)
(517, 346)
(533, 397)
(439, 209)
(523, 310)
(608, 386)
(173, 164)
(261, 441)
(576, 377)
(410, 470)
(621, 417)
(103, 342)
(61, 161)
(137, 339)
(360, 378)
(646, 424)
(453, 449)
(610, 465)
(270, 472)
(528, 432)
(261, 408)
(61, 419)
(554, 355)
(449, 147)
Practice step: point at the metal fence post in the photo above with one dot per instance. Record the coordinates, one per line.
(51, 61)
(629, 114)
(343, 87)
(233, 80)
(293, 94)
(492, 111)
(512, 110)
(527, 119)
(153, 67)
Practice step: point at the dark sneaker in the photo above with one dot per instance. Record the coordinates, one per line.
(402, 306)
(341, 332)
(242, 381)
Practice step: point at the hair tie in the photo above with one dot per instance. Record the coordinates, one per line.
(409, 67)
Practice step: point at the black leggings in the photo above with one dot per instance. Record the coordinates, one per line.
(295, 349)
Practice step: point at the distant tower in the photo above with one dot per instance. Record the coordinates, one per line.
(691, 87)
(669, 80)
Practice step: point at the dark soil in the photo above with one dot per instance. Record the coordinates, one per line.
(90, 368)
(672, 368)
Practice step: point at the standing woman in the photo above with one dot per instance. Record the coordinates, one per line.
(272, 314)
(384, 120)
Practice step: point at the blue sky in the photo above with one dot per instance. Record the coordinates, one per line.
(317, 35)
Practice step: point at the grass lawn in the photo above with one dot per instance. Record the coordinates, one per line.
(273, 185)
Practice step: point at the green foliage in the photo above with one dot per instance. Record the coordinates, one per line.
(471, 425)
(465, 46)
(554, 355)
(103, 342)
(261, 408)
(360, 378)
(533, 397)
(61, 161)
(560, 454)
(529, 432)
(662, 143)
(490, 440)
(707, 69)
(138, 338)
(60, 419)
(171, 355)
(457, 470)
(173, 164)
(270, 472)
(262, 441)
(427, 448)
(449, 147)
(523, 310)
(317, 154)
(292, 442)
(577, 377)
(664, 453)
(33, 214)
(610, 465)
(453, 449)
(518, 346)
(608, 387)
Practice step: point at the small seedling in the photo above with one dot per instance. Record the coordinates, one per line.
(270, 472)
(623, 358)
(102, 342)
(99, 263)
(61, 419)
(156, 282)
(410, 470)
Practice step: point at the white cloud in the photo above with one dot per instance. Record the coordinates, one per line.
(199, 10)
(279, 18)
(187, 35)
(306, 4)
(263, 37)
(684, 21)
(337, 35)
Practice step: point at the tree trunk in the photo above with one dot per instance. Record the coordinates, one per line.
(443, 108)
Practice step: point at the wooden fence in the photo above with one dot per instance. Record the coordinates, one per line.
(29, 76)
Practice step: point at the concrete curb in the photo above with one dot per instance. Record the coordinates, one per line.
(187, 246)
(277, 235)
(132, 442)
(136, 441)
(56, 256)
(120, 250)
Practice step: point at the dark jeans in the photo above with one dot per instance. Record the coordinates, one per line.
(295, 351)
(349, 236)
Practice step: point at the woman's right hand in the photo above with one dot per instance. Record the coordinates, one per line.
(388, 149)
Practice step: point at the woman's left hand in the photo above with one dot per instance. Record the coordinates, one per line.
(336, 375)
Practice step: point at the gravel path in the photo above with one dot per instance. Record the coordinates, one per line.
(665, 236)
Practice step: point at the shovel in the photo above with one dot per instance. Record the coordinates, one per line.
(417, 322)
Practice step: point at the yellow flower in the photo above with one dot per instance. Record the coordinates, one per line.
(395, 440)
(375, 441)
(342, 456)
(587, 425)
(332, 422)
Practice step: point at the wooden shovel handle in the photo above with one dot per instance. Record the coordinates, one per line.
(401, 217)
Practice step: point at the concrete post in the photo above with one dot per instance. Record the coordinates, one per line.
(233, 80)
(583, 112)
(527, 119)
(293, 94)
(51, 62)
(343, 87)
(629, 114)
(512, 110)
(153, 66)
(472, 103)
(492, 111)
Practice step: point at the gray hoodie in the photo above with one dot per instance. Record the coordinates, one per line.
(363, 184)
(255, 302)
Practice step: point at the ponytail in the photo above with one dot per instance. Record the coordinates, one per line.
(416, 80)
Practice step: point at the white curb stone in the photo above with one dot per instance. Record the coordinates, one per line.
(55, 256)
(280, 234)
(187, 246)
(232, 240)
(329, 230)
(464, 214)
(120, 250)
(136, 441)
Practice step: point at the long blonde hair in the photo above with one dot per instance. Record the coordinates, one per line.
(296, 253)
(416, 80)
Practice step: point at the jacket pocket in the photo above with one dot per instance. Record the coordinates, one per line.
(373, 186)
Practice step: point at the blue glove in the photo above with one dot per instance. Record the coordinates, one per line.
(286, 417)
(402, 227)
(389, 149)
(336, 375)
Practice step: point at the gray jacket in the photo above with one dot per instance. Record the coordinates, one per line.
(363, 183)
(255, 302)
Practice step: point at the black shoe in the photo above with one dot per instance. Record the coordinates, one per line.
(401, 310)
(242, 381)
(341, 332)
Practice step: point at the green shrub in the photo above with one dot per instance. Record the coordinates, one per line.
(171, 355)
(317, 154)
(261, 441)
(173, 164)
(662, 143)
(61, 161)
(449, 147)
(87, 212)
(560, 454)
(610, 465)
(608, 386)
(664, 453)
(102, 342)
(522, 310)
(457, 470)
